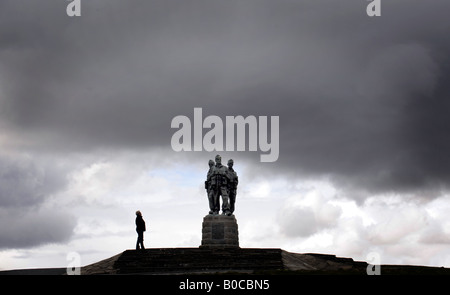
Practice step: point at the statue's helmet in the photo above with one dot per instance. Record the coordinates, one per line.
(230, 161)
(218, 158)
(210, 162)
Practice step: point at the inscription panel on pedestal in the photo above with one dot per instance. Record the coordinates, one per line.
(218, 231)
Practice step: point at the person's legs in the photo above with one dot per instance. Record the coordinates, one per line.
(211, 201)
(232, 197)
(140, 240)
(216, 196)
(225, 202)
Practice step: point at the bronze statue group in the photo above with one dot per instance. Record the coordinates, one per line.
(221, 181)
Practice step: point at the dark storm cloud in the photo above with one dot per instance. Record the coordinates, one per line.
(26, 183)
(25, 228)
(361, 100)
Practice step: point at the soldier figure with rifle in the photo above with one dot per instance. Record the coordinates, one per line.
(232, 184)
(219, 187)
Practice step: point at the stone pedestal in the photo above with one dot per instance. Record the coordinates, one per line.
(219, 231)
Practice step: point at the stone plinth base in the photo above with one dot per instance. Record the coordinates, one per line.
(219, 231)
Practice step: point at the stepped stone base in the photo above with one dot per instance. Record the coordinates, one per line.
(219, 231)
(188, 261)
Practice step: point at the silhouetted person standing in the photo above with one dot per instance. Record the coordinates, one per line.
(140, 228)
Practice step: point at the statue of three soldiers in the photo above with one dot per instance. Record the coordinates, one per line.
(221, 181)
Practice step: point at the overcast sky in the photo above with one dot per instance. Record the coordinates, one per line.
(86, 105)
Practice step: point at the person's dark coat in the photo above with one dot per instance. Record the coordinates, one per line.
(140, 224)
